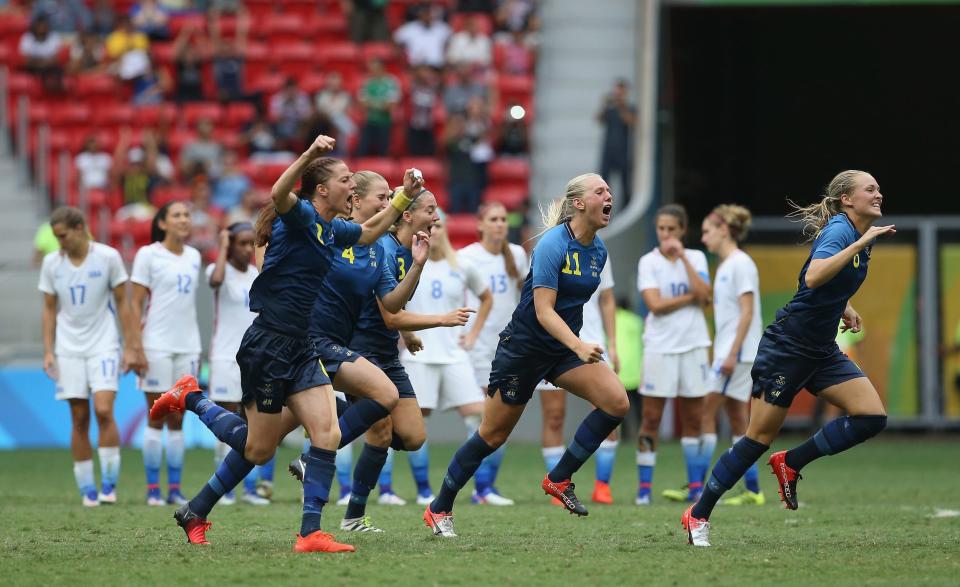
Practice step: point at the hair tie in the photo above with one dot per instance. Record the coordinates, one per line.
(238, 227)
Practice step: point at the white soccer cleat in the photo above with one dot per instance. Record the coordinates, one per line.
(698, 530)
(491, 498)
(89, 502)
(358, 525)
(254, 499)
(391, 499)
(425, 499)
(344, 500)
(642, 500)
(156, 500)
(441, 524)
(265, 489)
(108, 498)
(228, 498)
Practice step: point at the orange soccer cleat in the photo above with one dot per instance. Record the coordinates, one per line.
(174, 400)
(194, 526)
(601, 493)
(786, 479)
(320, 542)
(563, 490)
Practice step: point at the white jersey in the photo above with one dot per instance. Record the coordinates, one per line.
(86, 323)
(736, 276)
(442, 290)
(592, 330)
(231, 311)
(506, 292)
(170, 320)
(685, 328)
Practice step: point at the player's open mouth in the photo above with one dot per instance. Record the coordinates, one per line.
(607, 208)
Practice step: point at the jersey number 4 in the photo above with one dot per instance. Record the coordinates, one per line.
(348, 254)
(575, 270)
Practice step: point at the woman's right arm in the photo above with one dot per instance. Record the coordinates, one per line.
(49, 332)
(823, 270)
(282, 192)
(220, 265)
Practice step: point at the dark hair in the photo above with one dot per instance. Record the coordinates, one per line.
(675, 210)
(68, 216)
(316, 173)
(158, 234)
(235, 229)
(508, 261)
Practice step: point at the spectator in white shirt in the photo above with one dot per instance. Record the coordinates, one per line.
(93, 165)
(424, 39)
(39, 48)
(470, 46)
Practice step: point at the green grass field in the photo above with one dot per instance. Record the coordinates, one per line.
(868, 517)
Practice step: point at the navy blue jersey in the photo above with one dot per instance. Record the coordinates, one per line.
(355, 273)
(371, 336)
(811, 317)
(561, 263)
(295, 264)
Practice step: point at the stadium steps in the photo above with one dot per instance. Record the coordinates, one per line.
(20, 304)
(583, 49)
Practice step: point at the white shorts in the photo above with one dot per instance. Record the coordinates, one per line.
(78, 376)
(225, 381)
(164, 368)
(738, 385)
(482, 361)
(442, 387)
(675, 374)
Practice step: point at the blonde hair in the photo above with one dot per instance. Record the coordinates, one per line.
(508, 261)
(815, 216)
(737, 218)
(562, 209)
(363, 179)
(68, 216)
(446, 248)
(416, 204)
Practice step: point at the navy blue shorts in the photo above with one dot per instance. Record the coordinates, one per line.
(274, 366)
(782, 368)
(333, 354)
(393, 368)
(517, 369)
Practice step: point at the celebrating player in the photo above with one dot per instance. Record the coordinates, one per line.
(736, 315)
(541, 342)
(230, 277)
(598, 324)
(82, 347)
(441, 373)
(674, 283)
(799, 351)
(165, 272)
(279, 364)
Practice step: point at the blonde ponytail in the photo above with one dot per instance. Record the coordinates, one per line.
(815, 216)
(737, 218)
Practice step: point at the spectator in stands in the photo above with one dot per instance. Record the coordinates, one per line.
(228, 62)
(204, 219)
(517, 55)
(518, 222)
(231, 186)
(39, 48)
(289, 109)
(477, 128)
(65, 16)
(102, 17)
(517, 15)
(249, 207)
(153, 86)
(618, 115)
(424, 96)
(152, 19)
(513, 138)
(484, 6)
(260, 140)
(367, 20)
(93, 165)
(202, 156)
(465, 184)
(424, 38)
(86, 54)
(461, 89)
(189, 53)
(127, 50)
(218, 8)
(334, 101)
(156, 141)
(379, 95)
(471, 46)
(318, 123)
(134, 174)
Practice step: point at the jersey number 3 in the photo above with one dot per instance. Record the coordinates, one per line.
(576, 264)
(401, 268)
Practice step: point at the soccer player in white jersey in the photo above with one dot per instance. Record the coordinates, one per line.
(738, 327)
(599, 326)
(231, 277)
(502, 265)
(165, 275)
(441, 372)
(675, 285)
(82, 346)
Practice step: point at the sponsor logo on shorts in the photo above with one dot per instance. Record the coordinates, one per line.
(153, 382)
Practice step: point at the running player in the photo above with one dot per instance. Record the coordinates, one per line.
(279, 365)
(736, 314)
(231, 277)
(674, 283)
(165, 275)
(598, 324)
(541, 342)
(82, 347)
(799, 351)
(441, 373)
(502, 265)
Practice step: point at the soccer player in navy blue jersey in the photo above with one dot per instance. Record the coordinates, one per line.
(799, 351)
(542, 342)
(279, 364)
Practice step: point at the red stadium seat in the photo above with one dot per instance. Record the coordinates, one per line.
(89, 85)
(515, 88)
(268, 83)
(513, 171)
(23, 83)
(304, 9)
(462, 229)
(459, 21)
(13, 25)
(385, 166)
(150, 116)
(330, 27)
(281, 27)
(115, 115)
(238, 114)
(164, 194)
(342, 57)
(294, 58)
(179, 21)
(510, 197)
(191, 112)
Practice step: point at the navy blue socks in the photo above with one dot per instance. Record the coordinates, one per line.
(365, 476)
(592, 431)
(729, 469)
(835, 436)
(462, 467)
(228, 427)
(358, 418)
(230, 473)
(317, 479)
